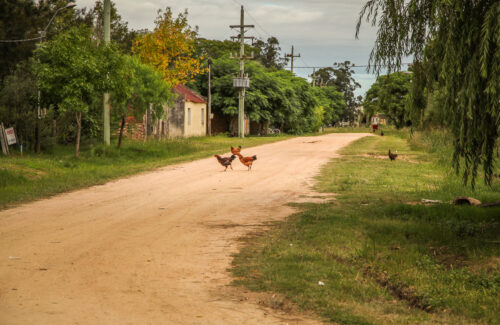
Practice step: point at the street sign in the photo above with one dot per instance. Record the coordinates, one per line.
(11, 136)
(241, 82)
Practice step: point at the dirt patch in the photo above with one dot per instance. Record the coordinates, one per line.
(386, 157)
(399, 290)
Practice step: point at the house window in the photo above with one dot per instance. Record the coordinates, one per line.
(202, 116)
(189, 116)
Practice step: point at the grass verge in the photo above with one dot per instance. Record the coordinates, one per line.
(382, 256)
(23, 179)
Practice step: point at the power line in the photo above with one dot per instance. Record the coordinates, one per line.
(331, 66)
(21, 40)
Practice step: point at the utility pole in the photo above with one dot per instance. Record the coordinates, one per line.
(242, 82)
(107, 39)
(209, 105)
(292, 57)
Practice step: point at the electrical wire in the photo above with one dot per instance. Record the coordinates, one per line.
(20, 40)
(306, 65)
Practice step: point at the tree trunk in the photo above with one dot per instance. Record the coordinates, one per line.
(121, 132)
(37, 135)
(78, 132)
(54, 128)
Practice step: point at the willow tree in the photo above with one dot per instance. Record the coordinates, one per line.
(465, 37)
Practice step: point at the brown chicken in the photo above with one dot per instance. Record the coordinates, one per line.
(392, 156)
(236, 151)
(225, 161)
(247, 161)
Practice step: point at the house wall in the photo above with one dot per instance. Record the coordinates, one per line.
(176, 119)
(196, 126)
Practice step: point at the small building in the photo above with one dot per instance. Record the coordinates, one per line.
(188, 116)
(378, 119)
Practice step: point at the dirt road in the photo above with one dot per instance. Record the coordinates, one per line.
(153, 248)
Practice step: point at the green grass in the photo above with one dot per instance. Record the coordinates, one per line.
(384, 257)
(23, 179)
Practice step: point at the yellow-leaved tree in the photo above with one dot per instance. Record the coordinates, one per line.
(170, 48)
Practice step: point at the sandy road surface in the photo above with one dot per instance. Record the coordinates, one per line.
(152, 248)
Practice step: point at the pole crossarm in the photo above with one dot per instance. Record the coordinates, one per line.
(241, 26)
(292, 56)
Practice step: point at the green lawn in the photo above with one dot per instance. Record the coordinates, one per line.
(383, 257)
(23, 179)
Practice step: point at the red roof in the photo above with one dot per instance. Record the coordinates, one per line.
(191, 95)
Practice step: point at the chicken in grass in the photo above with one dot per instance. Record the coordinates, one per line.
(236, 151)
(225, 161)
(247, 161)
(392, 156)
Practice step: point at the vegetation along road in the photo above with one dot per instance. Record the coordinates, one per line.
(153, 248)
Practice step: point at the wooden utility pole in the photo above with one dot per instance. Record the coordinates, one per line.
(242, 82)
(107, 39)
(292, 57)
(209, 99)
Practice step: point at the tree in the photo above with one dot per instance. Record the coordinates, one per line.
(18, 101)
(332, 101)
(389, 95)
(269, 53)
(120, 33)
(323, 77)
(275, 96)
(216, 49)
(74, 70)
(138, 87)
(340, 77)
(464, 36)
(170, 48)
(23, 20)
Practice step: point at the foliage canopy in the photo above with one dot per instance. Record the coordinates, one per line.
(457, 44)
(170, 48)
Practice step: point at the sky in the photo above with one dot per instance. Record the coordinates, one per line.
(322, 31)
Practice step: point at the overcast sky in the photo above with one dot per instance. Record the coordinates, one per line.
(322, 31)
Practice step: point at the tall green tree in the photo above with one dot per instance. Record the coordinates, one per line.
(24, 19)
(137, 88)
(121, 35)
(18, 98)
(269, 53)
(389, 95)
(340, 76)
(465, 38)
(217, 49)
(74, 70)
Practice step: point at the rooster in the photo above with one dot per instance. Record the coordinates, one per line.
(247, 161)
(236, 151)
(392, 156)
(225, 161)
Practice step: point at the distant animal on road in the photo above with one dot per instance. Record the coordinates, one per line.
(392, 156)
(236, 151)
(225, 161)
(247, 161)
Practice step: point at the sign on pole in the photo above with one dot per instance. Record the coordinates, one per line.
(11, 136)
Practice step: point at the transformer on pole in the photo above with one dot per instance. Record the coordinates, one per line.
(242, 81)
